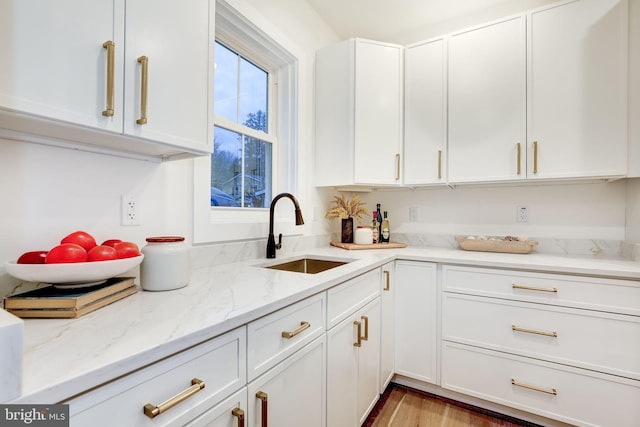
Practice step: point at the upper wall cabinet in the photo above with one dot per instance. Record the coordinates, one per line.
(126, 78)
(425, 113)
(358, 113)
(577, 89)
(487, 102)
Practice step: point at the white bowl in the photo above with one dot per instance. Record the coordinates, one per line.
(72, 274)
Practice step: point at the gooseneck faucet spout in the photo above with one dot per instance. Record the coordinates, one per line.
(271, 241)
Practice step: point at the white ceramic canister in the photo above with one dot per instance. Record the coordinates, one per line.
(166, 264)
(364, 235)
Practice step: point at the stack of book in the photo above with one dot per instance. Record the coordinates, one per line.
(59, 302)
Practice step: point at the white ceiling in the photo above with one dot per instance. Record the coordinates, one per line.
(383, 19)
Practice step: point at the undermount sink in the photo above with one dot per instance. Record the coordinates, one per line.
(307, 265)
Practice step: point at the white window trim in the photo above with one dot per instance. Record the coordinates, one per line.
(240, 24)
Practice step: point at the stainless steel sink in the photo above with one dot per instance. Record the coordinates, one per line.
(307, 265)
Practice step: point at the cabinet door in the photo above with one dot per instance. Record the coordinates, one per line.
(425, 120)
(54, 62)
(416, 320)
(293, 392)
(369, 360)
(487, 101)
(228, 413)
(388, 325)
(378, 113)
(174, 37)
(577, 104)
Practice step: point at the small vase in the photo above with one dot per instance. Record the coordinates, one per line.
(347, 230)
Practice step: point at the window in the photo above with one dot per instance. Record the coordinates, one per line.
(241, 164)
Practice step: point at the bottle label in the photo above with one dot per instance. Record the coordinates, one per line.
(385, 234)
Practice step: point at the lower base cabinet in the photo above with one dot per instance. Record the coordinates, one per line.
(293, 392)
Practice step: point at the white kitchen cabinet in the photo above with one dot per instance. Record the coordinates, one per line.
(232, 412)
(425, 113)
(388, 325)
(74, 78)
(577, 89)
(487, 102)
(417, 321)
(292, 393)
(358, 113)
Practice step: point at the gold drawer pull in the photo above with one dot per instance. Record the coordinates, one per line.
(152, 411)
(387, 286)
(534, 288)
(519, 169)
(366, 327)
(238, 413)
(302, 327)
(439, 164)
(144, 83)
(111, 47)
(358, 343)
(534, 331)
(397, 166)
(533, 387)
(535, 156)
(264, 398)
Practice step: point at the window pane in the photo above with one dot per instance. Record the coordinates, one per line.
(253, 96)
(226, 168)
(226, 83)
(257, 173)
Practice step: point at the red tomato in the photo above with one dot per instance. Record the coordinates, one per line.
(111, 242)
(66, 253)
(102, 253)
(127, 250)
(35, 257)
(81, 238)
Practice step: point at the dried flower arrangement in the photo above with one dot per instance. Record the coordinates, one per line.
(345, 208)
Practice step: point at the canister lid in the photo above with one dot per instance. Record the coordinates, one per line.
(165, 239)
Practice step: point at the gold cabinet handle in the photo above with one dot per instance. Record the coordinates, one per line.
(264, 398)
(534, 331)
(111, 49)
(358, 343)
(535, 156)
(238, 413)
(534, 288)
(153, 411)
(519, 169)
(533, 387)
(144, 82)
(387, 285)
(397, 166)
(439, 164)
(302, 327)
(365, 319)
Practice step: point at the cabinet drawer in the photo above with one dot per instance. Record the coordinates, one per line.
(267, 344)
(589, 339)
(219, 363)
(613, 295)
(343, 300)
(582, 397)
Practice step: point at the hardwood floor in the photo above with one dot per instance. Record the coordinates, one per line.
(400, 406)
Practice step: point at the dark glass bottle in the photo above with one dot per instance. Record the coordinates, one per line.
(379, 219)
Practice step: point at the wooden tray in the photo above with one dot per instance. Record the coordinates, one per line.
(353, 246)
(497, 245)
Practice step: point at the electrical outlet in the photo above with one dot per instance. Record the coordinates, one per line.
(413, 214)
(130, 210)
(522, 214)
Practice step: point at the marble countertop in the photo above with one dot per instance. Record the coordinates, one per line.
(64, 357)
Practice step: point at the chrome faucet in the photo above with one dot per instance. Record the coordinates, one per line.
(271, 241)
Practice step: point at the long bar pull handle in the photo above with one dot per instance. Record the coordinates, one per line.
(533, 387)
(534, 288)
(143, 90)
(535, 156)
(265, 416)
(439, 164)
(111, 61)
(387, 285)
(397, 166)
(291, 334)
(365, 319)
(153, 411)
(534, 331)
(519, 157)
(238, 413)
(358, 343)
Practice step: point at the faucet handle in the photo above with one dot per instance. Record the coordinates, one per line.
(279, 244)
